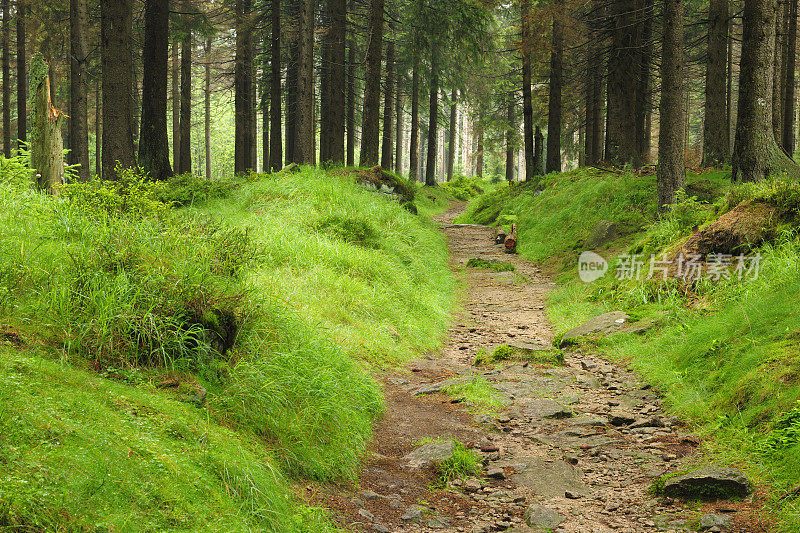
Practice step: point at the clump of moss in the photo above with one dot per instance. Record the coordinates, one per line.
(504, 352)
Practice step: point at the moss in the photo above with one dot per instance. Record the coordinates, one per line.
(491, 264)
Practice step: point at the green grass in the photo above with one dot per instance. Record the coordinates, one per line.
(723, 354)
(464, 463)
(278, 294)
(477, 392)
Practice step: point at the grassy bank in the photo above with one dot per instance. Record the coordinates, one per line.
(724, 353)
(167, 367)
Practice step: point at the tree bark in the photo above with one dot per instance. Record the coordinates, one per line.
(433, 120)
(333, 109)
(207, 117)
(716, 137)
(186, 105)
(47, 149)
(398, 130)
(243, 88)
(304, 149)
(789, 82)
(153, 140)
(671, 169)
(623, 74)
(387, 147)
(510, 126)
(6, 78)
(527, 96)
(291, 86)
(265, 114)
(777, 73)
(594, 90)
(22, 73)
(115, 29)
(98, 137)
(451, 143)
(643, 90)
(479, 148)
(756, 153)
(176, 107)
(275, 138)
(554, 105)
(351, 102)
(538, 148)
(370, 127)
(414, 145)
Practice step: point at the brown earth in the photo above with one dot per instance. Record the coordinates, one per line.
(594, 474)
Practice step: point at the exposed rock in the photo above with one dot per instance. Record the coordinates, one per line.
(496, 473)
(540, 516)
(708, 484)
(438, 522)
(430, 454)
(433, 388)
(546, 408)
(472, 485)
(380, 528)
(366, 514)
(412, 513)
(550, 480)
(738, 231)
(712, 520)
(604, 324)
(620, 417)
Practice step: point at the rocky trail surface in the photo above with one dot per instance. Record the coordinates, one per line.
(575, 447)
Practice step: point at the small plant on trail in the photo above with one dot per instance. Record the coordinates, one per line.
(491, 264)
(477, 392)
(462, 464)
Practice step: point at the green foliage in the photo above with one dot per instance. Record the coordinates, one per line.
(188, 189)
(491, 264)
(355, 231)
(132, 194)
(463, 188)
(504, 352)
(463, 463)
(785, 433)
(477, 392)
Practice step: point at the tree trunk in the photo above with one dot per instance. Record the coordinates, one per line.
(134, 98)
(176, 108)
(370, 126)
(115, 28)
(22, 73)
(98, 167)
(433, 120)
(716, 137)
(275, 139)
(594, 89)
(451, 144)
(207, 117)
(387, 148)
(623, 74)
(643, 90)
(351, 101)
(671, 168)
(756, 153)
(265, 98)
(729, 89)
(538, 147)
(510, 127)
(186, 105)
(414, 145)
(479, 149)
(243, 88)
(777, 72)
(291, 88)
(398, 131)
(47, 149)
(554, 105)
(6, 78)
(304, 149)
(153, 140)
(527, 96)
(789, 83)
(333, 109)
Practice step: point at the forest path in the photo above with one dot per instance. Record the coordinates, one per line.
(553, 449)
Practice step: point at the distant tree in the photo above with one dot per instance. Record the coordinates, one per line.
(387, 144)
(275, 140)
(243, 81)
(716, 136)
(370, 126)
(671, 171)
(22, 72)
(6, 78)
(305, 153)
(554, 110)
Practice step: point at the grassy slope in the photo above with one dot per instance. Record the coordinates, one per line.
(726, 356)
(108, 306)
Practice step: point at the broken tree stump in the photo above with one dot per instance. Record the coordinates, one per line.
(511, 240)
(47, 147)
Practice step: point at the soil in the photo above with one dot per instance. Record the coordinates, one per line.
(594, 474)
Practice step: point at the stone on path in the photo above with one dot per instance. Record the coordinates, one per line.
(712, 520)
(412, 513)
(433, 453)
(550, 479)
(708, 484)
(620, 417)
(546, 408)
(604, 324)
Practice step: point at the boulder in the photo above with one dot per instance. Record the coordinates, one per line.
(712, 520)
(620, 417)
(542, 517)
(604, 324)
(431, 454)
(708, 484)
(379, 180)
(546, 408)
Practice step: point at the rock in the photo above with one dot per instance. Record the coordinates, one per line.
(438, 522)
(588, 365)
(546, 408)
(412, 513)
(496, 473)
(540, 516)
(712, 520)
(738, 231)
(588, 419)
(480, 527)
(549, 480)
(708, 484)
(619, 417)
(433, 388)
(604, 324)
(430, 454)
(652, 422)
(572, 495)
(366, 514)
(569, 399)
(603, 232)
(472, 485)
(380, 528)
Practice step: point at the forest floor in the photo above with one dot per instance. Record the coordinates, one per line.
(544, 437)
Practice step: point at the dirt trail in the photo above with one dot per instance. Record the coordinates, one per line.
(554, 445)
